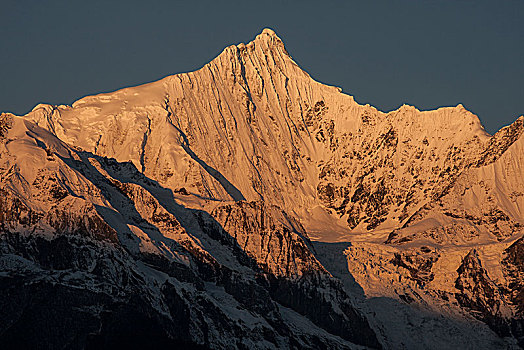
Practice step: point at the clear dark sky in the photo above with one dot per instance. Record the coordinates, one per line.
(385, 53)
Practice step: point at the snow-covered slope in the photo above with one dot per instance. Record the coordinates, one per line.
(252, 125)
(213, 182)
(113, 242)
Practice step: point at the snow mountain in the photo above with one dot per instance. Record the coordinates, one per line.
(247, 205)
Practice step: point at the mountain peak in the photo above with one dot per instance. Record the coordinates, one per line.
(269, 38)
(268, 32)
(265, 49)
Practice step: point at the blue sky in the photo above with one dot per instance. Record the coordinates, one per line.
(385, 53)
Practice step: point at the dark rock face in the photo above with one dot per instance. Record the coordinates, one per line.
(269, 236)
(79, 293)
(513, 264)
(306, 298)
(296, 278)
(480, 294)
(76, 293)
(60, 316)
(418, 263)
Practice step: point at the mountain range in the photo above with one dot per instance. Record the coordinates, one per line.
(246, 205)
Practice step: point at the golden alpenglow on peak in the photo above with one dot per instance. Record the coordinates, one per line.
(246, 205)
